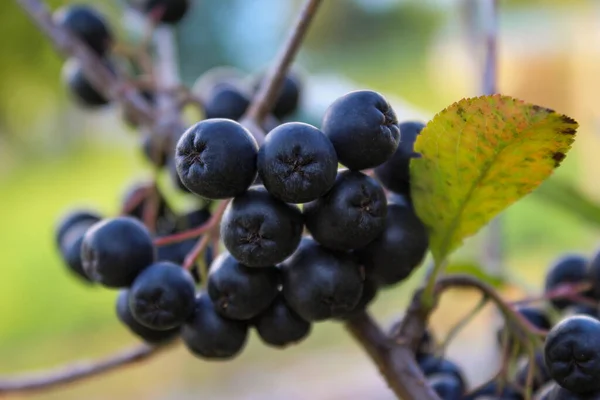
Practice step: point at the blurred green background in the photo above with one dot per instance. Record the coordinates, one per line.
(427, 54)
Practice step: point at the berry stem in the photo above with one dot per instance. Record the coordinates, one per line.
(62, 375)
(209, 225)
(105, 82)
(135, 200)
(396, 362)
(196, 252)
(269, 90)
(567, 290)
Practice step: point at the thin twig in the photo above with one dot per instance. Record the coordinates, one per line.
(267, 94)
(197, 251)
(103, 80)
(214, 221)
(63, 375)
(395, 362)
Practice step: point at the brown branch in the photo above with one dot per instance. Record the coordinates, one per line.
(103, 80)
(396, 362)
(263, 101)
(69, 373)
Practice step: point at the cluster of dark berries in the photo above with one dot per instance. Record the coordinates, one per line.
(568, 365)
(93, 30)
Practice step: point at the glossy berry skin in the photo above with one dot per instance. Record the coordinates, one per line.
(572, 354)
(146, 334)
(225, 100)
(208, 335)
(176, 181)
(297, 163)
(162, 296)
(570, 268)
(447, 386)
(170, 11)
(69, 237)
(240, 292)
(280, 326)
(351, 215)
(394, 174)
(87, 25)
(259, 230)
(400, 248)
(289, 96)
(431, 365)
(319, 283)
(369, 294)
(216, 158)
(363, 129)
(114, 251)
(80, 87)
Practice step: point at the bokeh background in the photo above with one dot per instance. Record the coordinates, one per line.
(422, 54)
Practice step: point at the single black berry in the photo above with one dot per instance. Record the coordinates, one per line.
(80, 87)
(363, 129)
(259, 230)
(289, 96)
(69, 237)
(319, 283)
(297, 163)
(87, 25)
(431, 365)
(176, 181)
(369, 294)
(225, 100)
(568, 269)
(167, 11)
(209, 335)
(394, 174)
(351, 215)
(400, 248)
(280, 326)
(241, 292)
(447, 386)
(572, 354)
(114, 251)
(146, 334)
(216, 158)
(162, 296)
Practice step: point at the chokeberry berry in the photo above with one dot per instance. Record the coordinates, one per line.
(398, 250)
(568, 269)
(166, 11)
(241, 292)
(492, 390)
(114, 251)
(225, 100)
(431, 365)
(297, 163)
(319, 283)
(394, 174)
(87, 25)
(208, 335)
(447, 386)
(363, 129)
(216, 158)
(280, 326)
(80, 87)
(259, 230)
(143, 332)
(369, 294)
(69, 237)
(162, 296)
(289, 96)
(572, 354)
(351, 215)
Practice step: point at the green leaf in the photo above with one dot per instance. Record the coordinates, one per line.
(477, 157)
(569, 197)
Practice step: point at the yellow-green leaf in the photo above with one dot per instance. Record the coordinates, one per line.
(478, 156)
